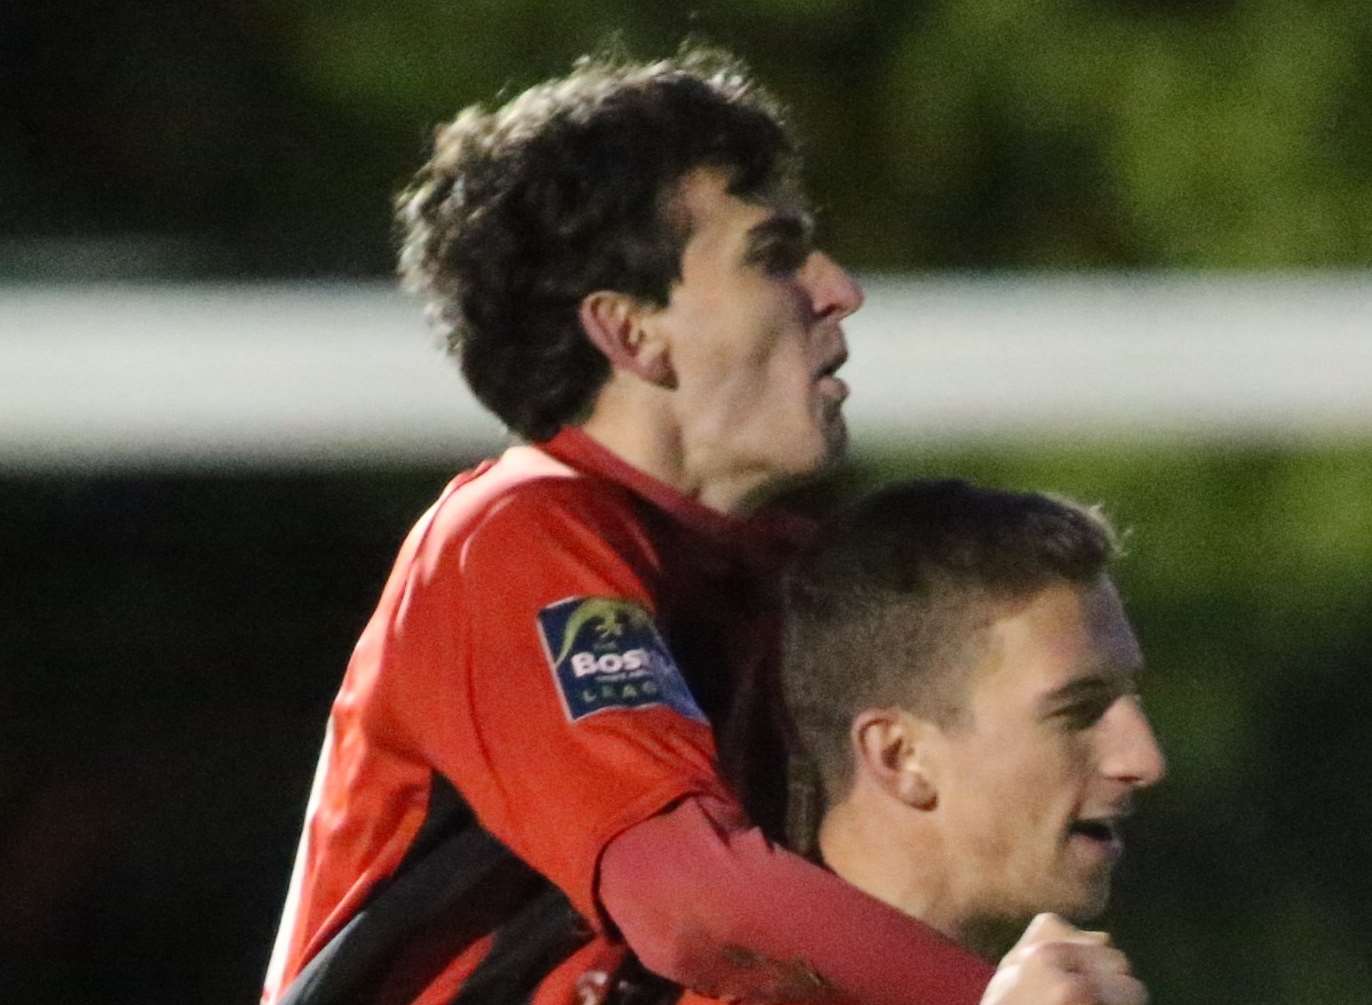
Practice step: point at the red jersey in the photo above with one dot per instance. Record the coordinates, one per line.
(540, 675)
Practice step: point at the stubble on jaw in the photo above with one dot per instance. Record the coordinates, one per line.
(992, 938)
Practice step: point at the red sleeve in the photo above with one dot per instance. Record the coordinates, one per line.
(556, 778)
(705, 900)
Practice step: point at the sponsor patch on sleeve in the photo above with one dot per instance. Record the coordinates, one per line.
(606, 654)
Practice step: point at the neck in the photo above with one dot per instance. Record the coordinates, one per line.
(990, 938)
(646, 435)
(883, 850)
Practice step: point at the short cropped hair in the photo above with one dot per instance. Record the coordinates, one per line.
(567, 189)
(889, 605)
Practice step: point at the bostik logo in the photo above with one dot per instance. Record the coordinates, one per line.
(607, 654)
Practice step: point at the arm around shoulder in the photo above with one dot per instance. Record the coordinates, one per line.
(705, 900)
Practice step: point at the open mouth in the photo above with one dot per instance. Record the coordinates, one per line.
(1097, 830)
(834, 388)
(831, 368)
(1103, 834)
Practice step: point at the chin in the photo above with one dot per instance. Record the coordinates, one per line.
(1086, 907)
(822, 453)
(831, 445)
(837, 443)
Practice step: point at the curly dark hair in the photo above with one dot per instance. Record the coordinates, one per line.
(566, 189)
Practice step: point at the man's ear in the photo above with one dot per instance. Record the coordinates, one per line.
(614, 322)
(891, 748)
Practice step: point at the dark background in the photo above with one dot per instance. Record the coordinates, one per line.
(252, 138)
(170, 638)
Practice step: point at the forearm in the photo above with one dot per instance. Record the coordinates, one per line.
(705, 900)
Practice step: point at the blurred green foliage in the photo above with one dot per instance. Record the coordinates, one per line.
(946, 134)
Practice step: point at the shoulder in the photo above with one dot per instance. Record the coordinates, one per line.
(574, 503)
(549, 515)
(522, 489)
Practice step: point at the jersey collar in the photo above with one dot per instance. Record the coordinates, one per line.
(762, 536)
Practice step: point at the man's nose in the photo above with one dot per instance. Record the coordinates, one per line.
(833, 291)
(1133, 755)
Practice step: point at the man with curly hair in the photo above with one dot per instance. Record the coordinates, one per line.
(623, 262)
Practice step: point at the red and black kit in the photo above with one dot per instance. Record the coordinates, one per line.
(539, 681)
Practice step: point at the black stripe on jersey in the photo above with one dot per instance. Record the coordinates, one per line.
(456, 884)
(543, 934)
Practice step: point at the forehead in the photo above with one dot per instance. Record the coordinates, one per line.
(713, 216)
(1063, 633)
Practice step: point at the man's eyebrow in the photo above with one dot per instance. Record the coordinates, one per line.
(1095, 685)
(787, 225)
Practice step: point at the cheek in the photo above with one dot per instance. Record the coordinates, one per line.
(1017, 792)
(766, 377)
(1021, 806)
(991, 797)
(789, 371)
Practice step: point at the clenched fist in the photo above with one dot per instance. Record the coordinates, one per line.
(1055, 963)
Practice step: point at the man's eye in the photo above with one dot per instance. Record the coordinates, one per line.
(782, 257)
(1085, 713)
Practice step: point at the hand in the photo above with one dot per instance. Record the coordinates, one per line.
(1055, 963)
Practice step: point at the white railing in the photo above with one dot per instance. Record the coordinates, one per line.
(97, 376)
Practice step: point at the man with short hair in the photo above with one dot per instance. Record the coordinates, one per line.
(961, 675)
(519, 781)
